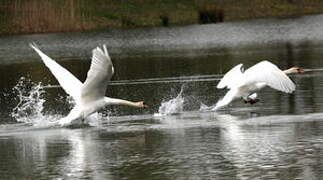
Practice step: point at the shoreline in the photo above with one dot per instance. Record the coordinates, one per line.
(33, 16)
(99, 30)
(186, 40)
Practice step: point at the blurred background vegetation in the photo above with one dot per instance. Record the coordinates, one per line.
(36, 16)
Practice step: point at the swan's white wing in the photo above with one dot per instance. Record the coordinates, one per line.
(271, 75)
(232, 78)
(98, 76)
(67, 80)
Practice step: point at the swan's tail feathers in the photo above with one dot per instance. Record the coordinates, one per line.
(226, 100)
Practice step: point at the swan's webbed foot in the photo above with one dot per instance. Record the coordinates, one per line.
(251, 101)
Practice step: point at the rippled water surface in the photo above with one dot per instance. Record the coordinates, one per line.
(174, 70)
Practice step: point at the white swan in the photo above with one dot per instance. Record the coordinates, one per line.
(245, 84)
(89, 96)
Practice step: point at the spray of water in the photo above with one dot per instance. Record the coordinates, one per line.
(204, 107)
(172, 106)
(31, 104)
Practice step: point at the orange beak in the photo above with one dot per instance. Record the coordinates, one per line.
(300, 71)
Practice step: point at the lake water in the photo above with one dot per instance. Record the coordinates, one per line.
(280, 137)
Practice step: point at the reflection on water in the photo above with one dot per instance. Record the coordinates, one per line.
(278, 138)
(217, 147)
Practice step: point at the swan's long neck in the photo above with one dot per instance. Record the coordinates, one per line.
(114, 101)
(288, 71)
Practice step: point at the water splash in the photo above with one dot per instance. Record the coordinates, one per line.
(71, 102)
(31, 104)
(205, 108)
(172, 106)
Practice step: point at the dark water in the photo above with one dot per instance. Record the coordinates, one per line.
(280, 137)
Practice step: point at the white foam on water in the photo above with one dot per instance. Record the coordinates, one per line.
(30, 107)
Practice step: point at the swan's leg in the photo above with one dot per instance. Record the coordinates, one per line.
(226, 100)
(252, 99)
(72, 116)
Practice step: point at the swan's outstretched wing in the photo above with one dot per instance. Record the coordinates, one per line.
(67, 80)
(271, 75)
(98, 76)
(232, 78)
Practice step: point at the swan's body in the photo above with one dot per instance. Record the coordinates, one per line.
(90, 95)
(245, 84)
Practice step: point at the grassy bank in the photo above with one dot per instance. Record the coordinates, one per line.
(34, 16)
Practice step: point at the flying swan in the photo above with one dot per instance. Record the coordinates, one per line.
(245, 84)
(89, 96)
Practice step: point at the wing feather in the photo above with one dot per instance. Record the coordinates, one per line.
(270, 74)
(67, 80)
(99, 75)
(232, 78)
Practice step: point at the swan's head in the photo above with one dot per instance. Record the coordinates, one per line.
(294, 70)
(141, 104)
